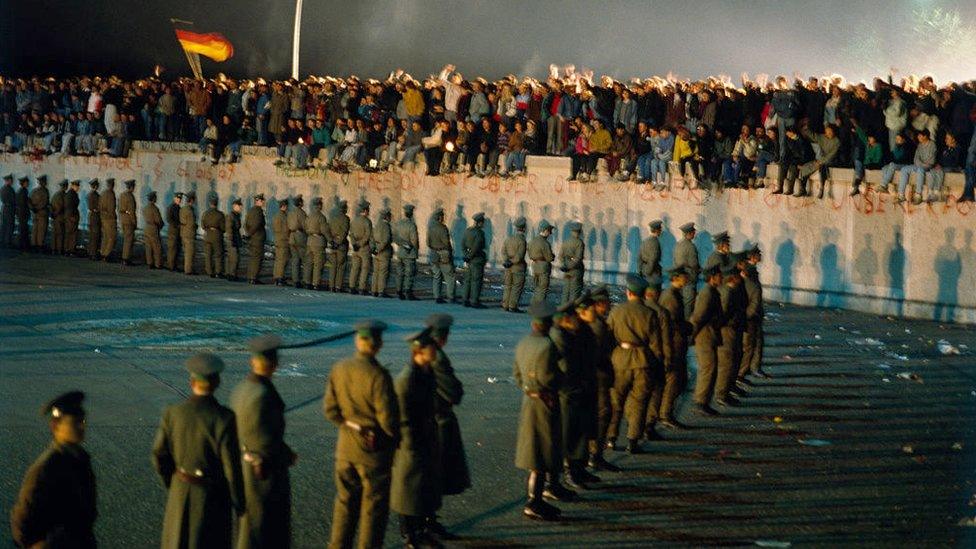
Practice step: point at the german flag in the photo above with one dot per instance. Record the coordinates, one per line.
(212, 45)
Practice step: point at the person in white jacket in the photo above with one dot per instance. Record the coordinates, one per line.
(896, 117)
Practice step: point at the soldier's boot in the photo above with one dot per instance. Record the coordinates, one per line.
(409, 295)
(578, 468)
(413, 534)
(433, 526)
(669, 422)
(705, 410)
(554, 489)
(536, 507)
(599, 463)
(634, 447)
(650, 433)
(401, 295)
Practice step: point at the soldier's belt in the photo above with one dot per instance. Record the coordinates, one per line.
(196, 477)
(625, 345)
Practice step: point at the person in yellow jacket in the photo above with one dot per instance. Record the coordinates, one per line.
(600, 143)
(685, 148)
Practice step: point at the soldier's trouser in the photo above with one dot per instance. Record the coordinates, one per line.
(573, 287)
(473, 279)
(266, 521)
(128, 239)
(729, 354)
(299, 255)
(110, 235)
(514, 286)
(689, 292)
(381, 273)
(359, 269)
(232, 260)
(541, 282)
(57, 235)
(752, 349)
(255, 255)
(189, 250)
(362, 503)
(314, 266)
(628, 398)
(575, 412)
(6, 228)
(94, 236)
(172, 250)
(406, 271)
(337, 276)
(154, 250)
(281, 261)
(706, 356)
(212, 254)
(604, 409)
(39, 230)
(665, 394)
(443, 272)
(70, 234)
(23, 233)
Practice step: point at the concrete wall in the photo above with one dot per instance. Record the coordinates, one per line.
(863, 253)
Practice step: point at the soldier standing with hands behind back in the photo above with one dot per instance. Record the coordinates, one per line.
(360, 235)
(152, 224)
(686, 255)
(441, 257)
(127, 216)
(281, 246)
(234, 243)
(339, 228)
(513, 251)
(40, 206)
(107, 212)
(173, 231)
(571, 262)
(540, 252)
(382, 250)
(473, 247)
(408, 243)
(8, 201)
(254, 228)
(71, 217)
(188, 232)
(57, 215)
(213, 222)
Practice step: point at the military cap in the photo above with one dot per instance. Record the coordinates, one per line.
(42, 180)
(342, 204)
(265, 344)
(204, 365)
(655, 282)
(541, 311)
(63, 184)
(687, 227)
(75, 183)
(738, 257)
(65, 404)
(544, 225)
(575, 226)
(25, 178)
(385, 212)
(440, 321)
(478, 217)
(152, 196)
(584, 300)
(93, 183)
(177, 195)
(283, 203)
(110, 182)
(636, 284)
(423, 338)
(656, 224)
(754, 250)
(190, 195)
(678, 271)
(720, 237)
(130, 183)
(212, 200)
(408, 208)
(259, 196)
(438, 212)
(600, 293)
(520, 223)
(317, 201)
(298, 200)
(729, 269)
(8, 177)
(238, 201)
(713, 270)
(370, 328)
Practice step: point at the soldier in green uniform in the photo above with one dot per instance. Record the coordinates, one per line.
(729, 353)
(254, 230)
(188, 232)
(72, 216)
(56, 506)
(152, 221)
(198, 457)
(382, 249)
(753, 339)
(298, 240)
(260, 414)
(659, 376)
(721, 256)
(360, 400)
(540, 252)
(649, 257)
(40, 207)
(636, 330)
(360, 235)
(539, 446)
(94, 220)
(213, 222)
(173, 231)
(281, 246)
(317, 229)
(686, 256)
(676, 376)
(473, 248)
(8, 201)
(600, 344)
(339, 227)
(234, 242)
(441, 258)
(415, 492)
(127, 218)
(22, 205)
(107, 212)
(706, 321)
(455, 477)
(513, 255)
(408, 250)
(57, 215)
(571, 262)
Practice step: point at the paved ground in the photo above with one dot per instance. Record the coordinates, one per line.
(894, 464)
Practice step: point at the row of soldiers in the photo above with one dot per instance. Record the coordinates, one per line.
(399, 447)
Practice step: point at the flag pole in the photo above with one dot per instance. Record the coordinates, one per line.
(296, 39)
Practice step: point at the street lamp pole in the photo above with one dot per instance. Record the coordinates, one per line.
(296, 40)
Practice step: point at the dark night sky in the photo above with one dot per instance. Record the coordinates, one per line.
(857, 38)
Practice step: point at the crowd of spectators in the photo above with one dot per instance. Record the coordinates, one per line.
(657, 130)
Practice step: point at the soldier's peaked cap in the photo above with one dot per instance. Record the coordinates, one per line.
(566, 308)
(259, 196)
(370, 327)
(76, 182)
(408, 208)
(600, 293)
(63, 183)
(298, 200)
(636, 284)
(439, 321)
(656, 224)
(25, 178)
(478, 217)
(317, 201)
(713, 270)
(729, 269)
(541, 311)
(94, 183)
(438, 211)
(520, 223)
(721, 237)
(363, 204)
(544, 225)
(177, 195)
(152, 196)
(204, 365)
(265, 344)
(110, 181)
(575, 226)
(342, 204)
(65, 404)
(423, 338)
(677, 271)
(238, 201)
(8, 177)
(654, 282)
(385, 212)
(584, 300)
(42, 179)
(130, 183)
(687, 227)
